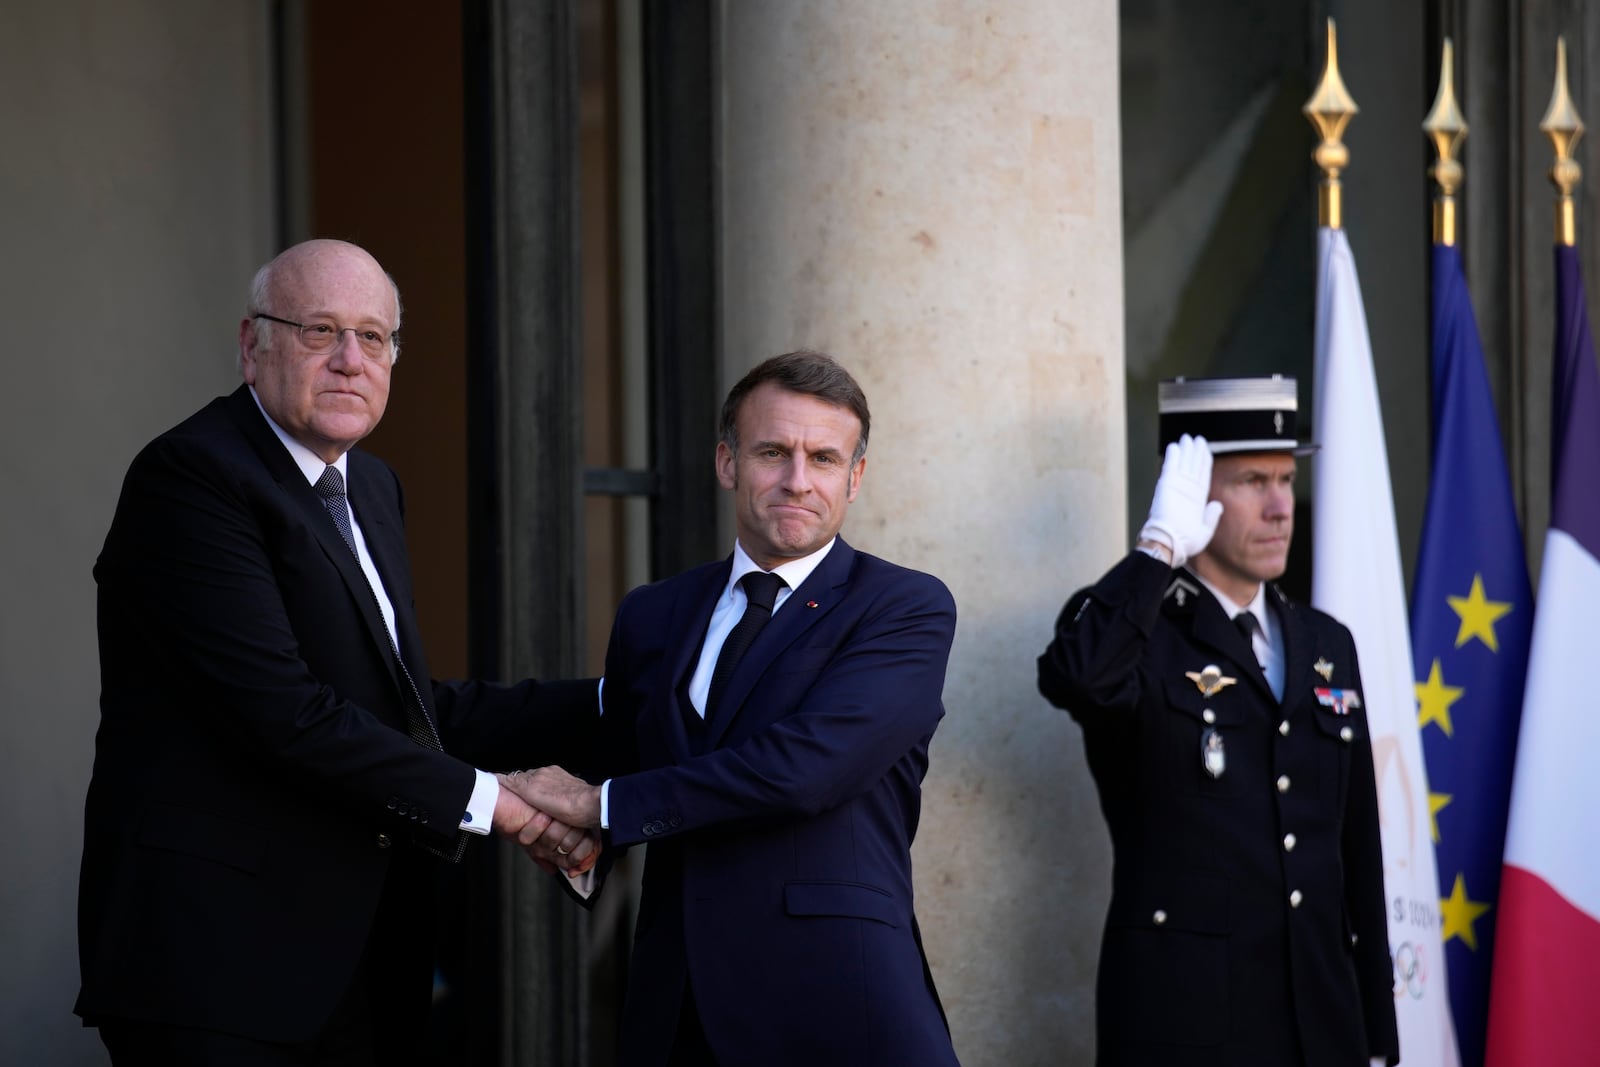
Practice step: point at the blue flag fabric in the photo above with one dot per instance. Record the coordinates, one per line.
(1471, 622)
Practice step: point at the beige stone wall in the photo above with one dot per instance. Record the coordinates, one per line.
(136, 196)
(930, 191)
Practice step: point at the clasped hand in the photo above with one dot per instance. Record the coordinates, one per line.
(552, 835)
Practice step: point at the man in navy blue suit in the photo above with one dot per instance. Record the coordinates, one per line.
(766, 722)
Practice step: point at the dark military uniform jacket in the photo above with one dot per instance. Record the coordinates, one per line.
(1246, 924)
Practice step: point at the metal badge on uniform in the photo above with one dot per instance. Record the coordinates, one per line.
(1181, 590)
(1324, 668)
(1210, 680)
(1212, 756)
(1339, 701)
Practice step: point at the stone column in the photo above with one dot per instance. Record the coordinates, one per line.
(930, 191)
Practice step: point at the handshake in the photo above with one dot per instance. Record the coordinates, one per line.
(553, 816)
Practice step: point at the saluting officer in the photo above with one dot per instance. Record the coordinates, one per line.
(1224, 727)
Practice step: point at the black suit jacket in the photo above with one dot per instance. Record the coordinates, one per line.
(1246, 923)
(778, 877)
(256, 805)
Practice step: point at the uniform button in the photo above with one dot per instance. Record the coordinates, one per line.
(383, 841)
(1208, 715)
(673, 822)
(1283, 783)
(393, 803)
(1283, 727)
(1353, 939)
(647, 830)
(1288, 842)
(1295, 898)
(1345, 733)
(1159, 917)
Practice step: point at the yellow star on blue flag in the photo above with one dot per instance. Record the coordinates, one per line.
(1471, 620)
(1457, 914)
(1478, 615)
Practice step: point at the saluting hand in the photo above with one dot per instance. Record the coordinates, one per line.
(1182, 519)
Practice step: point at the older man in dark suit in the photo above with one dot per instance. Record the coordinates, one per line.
(768, 719)
(275, 771)
(1224, 727)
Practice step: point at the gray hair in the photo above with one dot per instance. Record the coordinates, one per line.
(809, 373)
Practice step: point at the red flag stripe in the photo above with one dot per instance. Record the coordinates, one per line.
(1546, 978)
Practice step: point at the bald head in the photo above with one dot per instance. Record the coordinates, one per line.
(326, 400)
(299, 261)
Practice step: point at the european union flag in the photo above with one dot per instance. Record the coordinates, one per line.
(1471, 620)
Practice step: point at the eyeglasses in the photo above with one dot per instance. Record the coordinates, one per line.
(324, 336)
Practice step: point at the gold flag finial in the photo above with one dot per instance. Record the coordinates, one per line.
(1448, 129)
(1563, 126)
(1330, 109)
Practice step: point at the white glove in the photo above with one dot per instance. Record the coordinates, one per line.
(1180, 516)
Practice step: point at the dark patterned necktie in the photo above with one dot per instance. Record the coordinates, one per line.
(330, 487)
(761, 592)
(419, 727)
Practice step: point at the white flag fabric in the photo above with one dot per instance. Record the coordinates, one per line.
(1357, 578)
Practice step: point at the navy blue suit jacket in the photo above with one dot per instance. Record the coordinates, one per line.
(1246, 923)
(778, 878)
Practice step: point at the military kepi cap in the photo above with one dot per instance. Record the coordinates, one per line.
(1233, 414)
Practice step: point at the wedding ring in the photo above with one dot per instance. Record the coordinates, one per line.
(563, 851)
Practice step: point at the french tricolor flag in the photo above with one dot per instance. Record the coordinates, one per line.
(1544, 1001)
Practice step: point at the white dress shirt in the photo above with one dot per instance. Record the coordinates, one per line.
(1267, 641)
(724, 617)
(479, 816)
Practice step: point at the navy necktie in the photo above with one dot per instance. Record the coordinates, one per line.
(1248, 625)
(761, 592)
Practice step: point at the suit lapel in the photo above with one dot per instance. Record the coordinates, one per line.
(303, 502)
(384, 534)
(1210, 626)
(690, 618)
(1297, 646)
(825, 588)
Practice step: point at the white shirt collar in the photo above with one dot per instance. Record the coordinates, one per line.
(1256, 607)
(793, 572)
(310, 464)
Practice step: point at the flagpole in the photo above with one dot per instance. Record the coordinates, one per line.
(1547, 934)
(1358, 579)
(1563, 126)
(1447, 128)
(1330, 110)
(1470, 670)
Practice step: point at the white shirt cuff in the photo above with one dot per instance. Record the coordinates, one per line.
(605, 804)
(479, 817)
